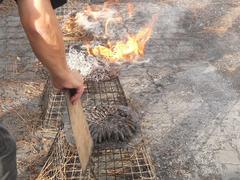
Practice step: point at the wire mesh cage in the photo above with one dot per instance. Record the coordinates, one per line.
(109, 117)
(126, 163)
(104, 101)
(96, 93)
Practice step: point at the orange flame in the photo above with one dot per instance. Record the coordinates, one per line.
(127, 50)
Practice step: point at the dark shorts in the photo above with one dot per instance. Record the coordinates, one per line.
(8, 167)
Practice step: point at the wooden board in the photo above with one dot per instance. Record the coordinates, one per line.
(81, 131)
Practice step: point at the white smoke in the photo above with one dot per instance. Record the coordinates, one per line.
(90, 67)
(77, 60)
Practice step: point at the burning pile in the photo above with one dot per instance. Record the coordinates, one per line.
(105, 44)
(124, 50)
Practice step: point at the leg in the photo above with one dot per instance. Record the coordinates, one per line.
(8, 170)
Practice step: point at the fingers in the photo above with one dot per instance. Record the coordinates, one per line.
(77, 96)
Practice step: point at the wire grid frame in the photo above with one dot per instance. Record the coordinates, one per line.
(11, 68)
(53, 106)
(127, 163)
(96, 93)
(63, 13)
(71, 6)
(105, 92)
(67, 8)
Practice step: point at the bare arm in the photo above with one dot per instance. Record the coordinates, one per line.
(41, 26)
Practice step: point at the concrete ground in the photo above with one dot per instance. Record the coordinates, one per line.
(187, 89)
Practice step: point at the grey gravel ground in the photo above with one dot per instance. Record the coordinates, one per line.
(187, 90)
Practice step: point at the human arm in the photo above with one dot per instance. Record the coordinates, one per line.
(40, 24)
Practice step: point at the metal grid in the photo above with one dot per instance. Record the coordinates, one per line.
(73, 5)
(129, 163)
(11, 68)
(105, 92)
(53, 107)
(96, 93)
(67, 8)
(63, 13)
(15, 68)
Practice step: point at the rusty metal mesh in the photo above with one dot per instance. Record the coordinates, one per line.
(128, 163)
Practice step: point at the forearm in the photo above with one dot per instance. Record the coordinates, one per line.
(41, 26)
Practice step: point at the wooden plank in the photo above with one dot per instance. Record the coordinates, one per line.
(81, 131)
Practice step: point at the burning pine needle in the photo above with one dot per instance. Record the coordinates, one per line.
(93, 18)
(127, 50)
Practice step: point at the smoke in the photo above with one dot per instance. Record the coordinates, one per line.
(77, 60)
(90, 67)
(93, 21)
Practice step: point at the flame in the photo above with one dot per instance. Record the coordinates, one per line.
(128, 50)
